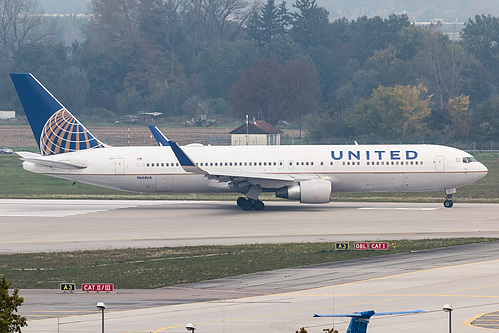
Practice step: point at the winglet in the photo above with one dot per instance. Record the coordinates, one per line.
(185, 161)
(159, 136)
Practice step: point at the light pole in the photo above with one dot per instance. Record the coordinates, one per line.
(448, 308)
(101, 306)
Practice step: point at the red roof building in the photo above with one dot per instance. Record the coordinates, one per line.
(256, 133)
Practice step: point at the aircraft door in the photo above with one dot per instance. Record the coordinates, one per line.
(120, 166)
(439, 163)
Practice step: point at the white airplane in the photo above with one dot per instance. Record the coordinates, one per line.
(305, 173)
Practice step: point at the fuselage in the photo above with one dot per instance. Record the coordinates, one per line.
(349, 168)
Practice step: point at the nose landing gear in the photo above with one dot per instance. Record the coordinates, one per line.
(450, 195)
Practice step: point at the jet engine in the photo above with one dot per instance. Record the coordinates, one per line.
(308, 191)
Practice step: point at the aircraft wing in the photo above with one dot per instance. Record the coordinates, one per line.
(238, 179)
(41, 160)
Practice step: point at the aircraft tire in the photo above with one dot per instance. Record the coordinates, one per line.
(448, 203)
(240, 201)
(258, 205)
(246, 204)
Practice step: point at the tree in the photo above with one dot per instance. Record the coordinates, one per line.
(481, 38)
(258, 92)
(460, 118)
(300, 88)
(214, 21)
(161, 20)
(21, 24)
(397, 112)
(270, 91)
(485, 125)
(310, 23)
(9, 320)
(268, 22)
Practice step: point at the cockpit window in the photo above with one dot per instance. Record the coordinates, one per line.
(469, 159)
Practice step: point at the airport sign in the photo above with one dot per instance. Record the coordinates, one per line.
(361, 246)
(67, 286)
(378, 246)
(107, 287)
(341, 246)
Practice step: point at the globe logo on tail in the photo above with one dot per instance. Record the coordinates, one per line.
(63, 133)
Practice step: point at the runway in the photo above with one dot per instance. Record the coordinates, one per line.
(65, 225)
(277, 301)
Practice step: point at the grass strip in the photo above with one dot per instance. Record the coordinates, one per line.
(145, 268)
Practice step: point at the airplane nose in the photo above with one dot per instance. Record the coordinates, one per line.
(483, 170)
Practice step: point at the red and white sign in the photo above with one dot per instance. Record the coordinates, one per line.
(97, 287)
(360, 246)
(378, 246)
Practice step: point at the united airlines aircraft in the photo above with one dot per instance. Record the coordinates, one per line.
(308, 174)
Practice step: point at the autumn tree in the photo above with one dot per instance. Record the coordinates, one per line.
(10, 321)
(258, 92)
(459, 124)
(270, 91)
(397, 112)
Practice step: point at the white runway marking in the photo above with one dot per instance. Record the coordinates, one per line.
(398, 208)
(64, 208)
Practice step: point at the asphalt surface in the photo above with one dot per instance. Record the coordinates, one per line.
(276, 301)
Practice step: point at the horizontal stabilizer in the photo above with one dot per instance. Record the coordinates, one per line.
(367, 314)
(39, 159)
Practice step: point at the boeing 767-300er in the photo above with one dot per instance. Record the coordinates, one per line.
(305, 173)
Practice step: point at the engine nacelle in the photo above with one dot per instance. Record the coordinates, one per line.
(308, 191)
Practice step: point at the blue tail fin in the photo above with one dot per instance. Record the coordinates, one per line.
(360, 320)
(55, 129)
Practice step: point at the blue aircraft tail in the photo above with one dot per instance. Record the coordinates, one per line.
(360, 320)
(55, 129)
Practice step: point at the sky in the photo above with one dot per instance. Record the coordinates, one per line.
(419, 10)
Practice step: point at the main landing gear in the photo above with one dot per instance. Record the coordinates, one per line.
(249, 204)
(450, 195)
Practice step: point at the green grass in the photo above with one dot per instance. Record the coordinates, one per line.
(18, 183)
(159, 267)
